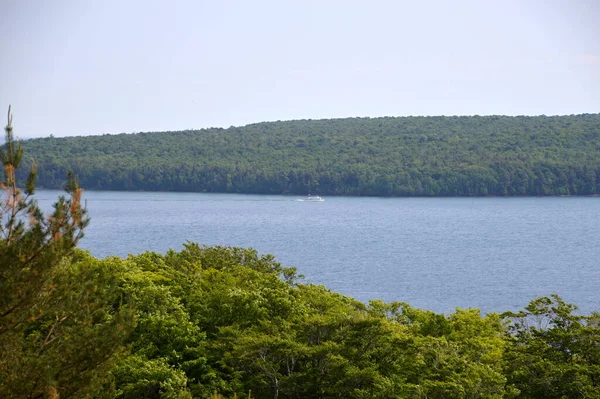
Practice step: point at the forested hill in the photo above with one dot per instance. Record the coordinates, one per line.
(407, 156)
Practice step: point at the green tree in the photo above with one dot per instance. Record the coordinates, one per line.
(31, 245)
(60, 317)
(553, 353)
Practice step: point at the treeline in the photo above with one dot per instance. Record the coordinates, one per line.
(408, 156)
(215, 322)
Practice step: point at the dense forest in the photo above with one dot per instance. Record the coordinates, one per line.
(407, 156)
(215, 322)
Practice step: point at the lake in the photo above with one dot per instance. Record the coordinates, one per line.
(495, 254)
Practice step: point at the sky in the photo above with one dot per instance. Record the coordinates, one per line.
(81, 67)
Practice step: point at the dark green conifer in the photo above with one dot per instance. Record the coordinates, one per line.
(31, 244)
(60, 316)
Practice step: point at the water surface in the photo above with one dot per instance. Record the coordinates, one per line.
(495, 254)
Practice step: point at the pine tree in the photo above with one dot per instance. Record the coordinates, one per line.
(61, 316)
(31, 245)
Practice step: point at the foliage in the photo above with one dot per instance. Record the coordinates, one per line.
(225, 322)
(409, 156)
(60, 318)
(247, 329)
(554, 352)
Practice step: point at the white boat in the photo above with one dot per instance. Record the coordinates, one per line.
(312, 198)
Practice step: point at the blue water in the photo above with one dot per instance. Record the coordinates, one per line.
(495, 254)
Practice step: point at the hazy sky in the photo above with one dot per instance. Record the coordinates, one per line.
(77, 67)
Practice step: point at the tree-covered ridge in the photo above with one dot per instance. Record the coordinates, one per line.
(407, 156)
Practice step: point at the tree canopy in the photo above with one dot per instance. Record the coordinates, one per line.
(407, 156)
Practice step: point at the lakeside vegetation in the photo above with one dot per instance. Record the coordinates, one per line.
(223, 322)
(407, 156)
(214, 319)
